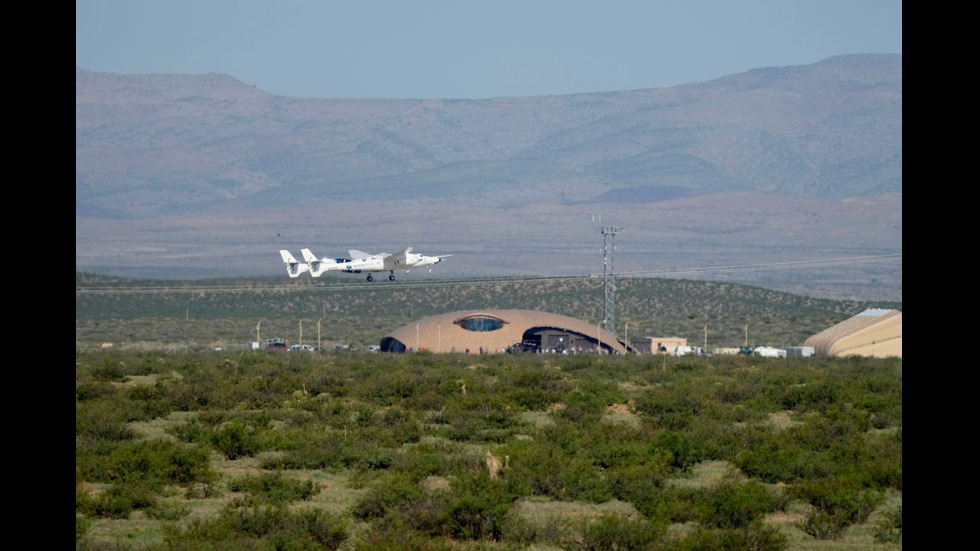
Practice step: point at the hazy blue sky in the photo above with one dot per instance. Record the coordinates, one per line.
(473, 49)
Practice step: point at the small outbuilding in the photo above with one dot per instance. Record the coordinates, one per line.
(666, 345)
(874, 332)
(801, 351)
(494, 331)
(769, 352)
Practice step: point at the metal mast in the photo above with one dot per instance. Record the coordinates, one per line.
(609, 277)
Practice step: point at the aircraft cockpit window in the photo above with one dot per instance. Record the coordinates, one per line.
(480, 323)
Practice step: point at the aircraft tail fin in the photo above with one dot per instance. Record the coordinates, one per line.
(316, 265)
(293, 267)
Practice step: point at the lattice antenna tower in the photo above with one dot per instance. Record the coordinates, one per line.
(608, 276)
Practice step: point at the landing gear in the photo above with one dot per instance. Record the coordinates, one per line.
(370, 277)
(392, 276)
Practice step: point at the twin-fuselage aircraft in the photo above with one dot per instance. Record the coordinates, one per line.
(359, 262)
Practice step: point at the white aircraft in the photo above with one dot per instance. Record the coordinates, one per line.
(359, 262)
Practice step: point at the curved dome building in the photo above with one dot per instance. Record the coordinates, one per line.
(493, 331)
(874, 332)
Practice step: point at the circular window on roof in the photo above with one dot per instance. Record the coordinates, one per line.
(480, 323)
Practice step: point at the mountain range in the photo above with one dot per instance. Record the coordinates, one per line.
(788, 177)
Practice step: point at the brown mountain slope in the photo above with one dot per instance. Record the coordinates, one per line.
(202, 175)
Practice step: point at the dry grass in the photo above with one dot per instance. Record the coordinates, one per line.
(538, 419)
(783, 420)
(493, 465)
(543, 509)
(158, 429)
(622, 413)
(707, 473)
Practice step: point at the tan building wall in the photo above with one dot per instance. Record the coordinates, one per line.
(447, 332)
(670, 343)
(875, 333)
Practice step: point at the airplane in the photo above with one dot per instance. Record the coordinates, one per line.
(359, 262)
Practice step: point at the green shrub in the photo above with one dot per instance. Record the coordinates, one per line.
(375, 458)
(815, 396)
(889, 527)
(113, 506)
(388, 493)
(102, 420)
(542, 467)
(235, 440)
(418, 464)
(98, 431)
(118, 502)
(757, 536)
(168, 510)
(617, 532)
(429, 513)
(678, 505)
(672, 409)
(525, 532)
(82, 525)
(619, 445)
(735, 504)
(192, 432)
(327, 530)
(391, 533)
(642, 486)
(109, 371)
(478, 508)
(331, 454)
(584, 482)
(260, 527)
(275, 488)
(151, 463)
(90, 390)
(682, 451)
(837, 503)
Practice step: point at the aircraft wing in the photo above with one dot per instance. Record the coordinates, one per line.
(400, 260)
(361, 255)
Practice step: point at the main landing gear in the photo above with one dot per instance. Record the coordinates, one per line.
(390, 277)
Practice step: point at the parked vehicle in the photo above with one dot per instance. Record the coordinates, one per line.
(276, 344)
(307, 347)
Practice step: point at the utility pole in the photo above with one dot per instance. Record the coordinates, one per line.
(626, 339)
